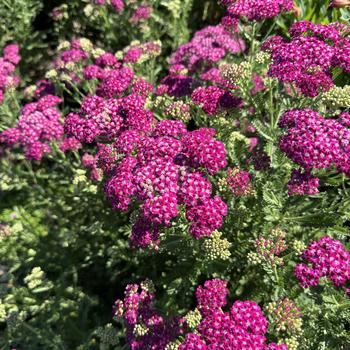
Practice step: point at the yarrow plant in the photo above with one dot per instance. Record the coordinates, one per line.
(8, 63)
(202, 145)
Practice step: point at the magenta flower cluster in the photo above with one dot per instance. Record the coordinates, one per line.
(242, 328)
(118, 5)
(38, 125)
(213, 99)
(134, 52)
(8, 63)
(239, 181)
(141, 317)
(162, 170)
(324, 258)
(142, 13)
(106, 119)
(302, 183)
(308, 58)
(214, 76)
(258, 10)
(315, 142)
(208, 46)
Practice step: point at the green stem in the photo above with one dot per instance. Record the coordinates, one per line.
(344, 305)
(276, 274)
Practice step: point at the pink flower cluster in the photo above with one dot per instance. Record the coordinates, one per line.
(258, 10)
(239, 181)
(315, 142)
(163, 169)
(302, 183)
(134, 52)
(242, 328)
(142, 13)
(100, 118)
(39, 124)
(106, 67)
(8, 63)
(307, 59)
(146, 328)
(328, 258)
(118, 5)
(115, 82)
(213, 99)
(213, 75)
(208, 46)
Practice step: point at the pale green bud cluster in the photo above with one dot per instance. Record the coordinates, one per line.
(298, 246)
(148, 286)
(70, 66)
(5, 182)
(79, 177)
(29, 91)
(174, 6)
(97, 52)
(193, 318)
(35, 278)
(278, 233)
(2, 312)
(292, 343)
(65, 77)
(161, 101)
(107, 334)
(173, 345)
(140, 330)
(86, 45)
(64, 45)
(119, 54)
(90, 11)
(237, 73)
(263, 57)
(337, 97)
(216, 248)
(254, 258)
(223, 185)
(17, 227)
(178, 110)
(237, 136)
(92, 189)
